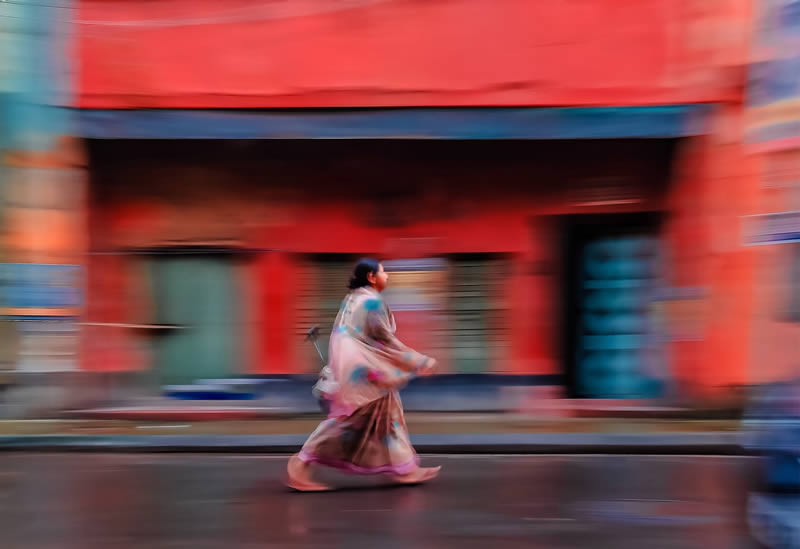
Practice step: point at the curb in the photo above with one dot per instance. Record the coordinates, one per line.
(507, 443)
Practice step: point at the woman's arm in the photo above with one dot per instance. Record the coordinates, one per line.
(381, 328)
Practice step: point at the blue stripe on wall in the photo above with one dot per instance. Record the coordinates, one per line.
(408, 123)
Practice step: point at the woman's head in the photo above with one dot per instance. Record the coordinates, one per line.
(369, 272)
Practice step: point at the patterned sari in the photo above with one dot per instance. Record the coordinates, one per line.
(365, 431)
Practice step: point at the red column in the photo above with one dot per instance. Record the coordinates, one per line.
(714, 187)
(274, 292)
(532, 294)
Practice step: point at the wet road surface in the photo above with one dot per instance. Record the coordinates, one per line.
(111, 501)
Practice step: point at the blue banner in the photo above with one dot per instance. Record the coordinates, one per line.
(39, 286)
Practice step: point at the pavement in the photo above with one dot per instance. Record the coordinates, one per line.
(430, 432)
(190, 501)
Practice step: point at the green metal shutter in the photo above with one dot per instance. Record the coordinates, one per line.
(198, 295)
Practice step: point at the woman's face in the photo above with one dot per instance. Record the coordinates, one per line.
(379, 280)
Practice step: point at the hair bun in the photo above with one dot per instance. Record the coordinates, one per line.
(361, 272)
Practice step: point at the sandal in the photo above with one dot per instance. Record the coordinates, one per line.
(418, 476)
(301, 485)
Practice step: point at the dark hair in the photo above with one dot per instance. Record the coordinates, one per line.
(364, 267)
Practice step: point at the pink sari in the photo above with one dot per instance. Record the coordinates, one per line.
(366, 431)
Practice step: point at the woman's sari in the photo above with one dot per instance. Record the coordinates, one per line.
(365, 431)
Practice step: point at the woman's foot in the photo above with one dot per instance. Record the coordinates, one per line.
(299, 476)
(418, 475)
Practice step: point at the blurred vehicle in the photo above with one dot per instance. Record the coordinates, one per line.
(772, 429)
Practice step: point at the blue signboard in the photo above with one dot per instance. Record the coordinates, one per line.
(774, 79)
(39, 286)
(773, 228)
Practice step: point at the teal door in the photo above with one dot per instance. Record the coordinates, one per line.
(198, 296)
(616, 282)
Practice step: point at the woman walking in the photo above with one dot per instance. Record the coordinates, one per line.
(365, 432)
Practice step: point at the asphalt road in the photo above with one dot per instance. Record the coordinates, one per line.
(142, 501)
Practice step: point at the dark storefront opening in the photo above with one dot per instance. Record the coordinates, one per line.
(465, 201)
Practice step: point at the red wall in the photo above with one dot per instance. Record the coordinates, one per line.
(320, 53)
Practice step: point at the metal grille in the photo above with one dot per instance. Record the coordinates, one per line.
(322, 284)
(477, 314)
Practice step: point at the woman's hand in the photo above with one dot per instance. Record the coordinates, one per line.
(428, 369)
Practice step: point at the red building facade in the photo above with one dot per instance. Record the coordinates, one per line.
(497, 145)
